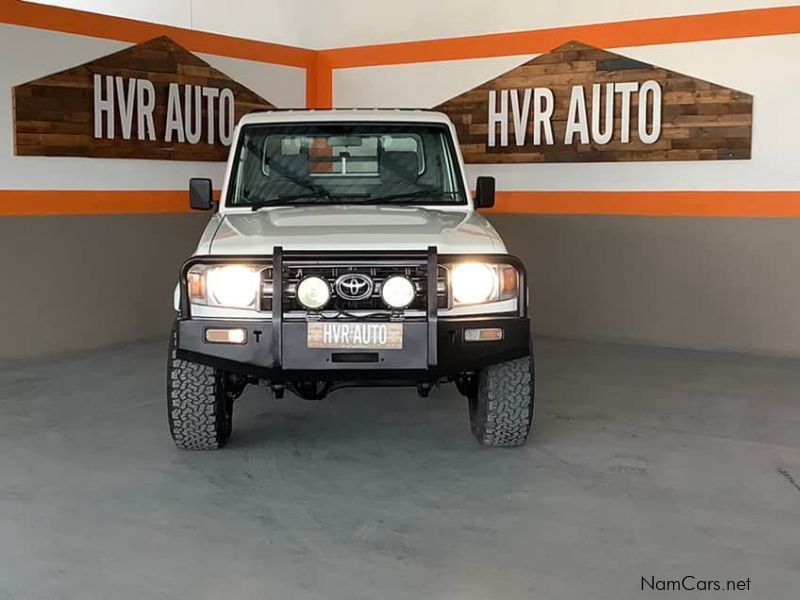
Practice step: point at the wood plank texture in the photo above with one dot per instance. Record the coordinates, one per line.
(54, 115)
(700, 120)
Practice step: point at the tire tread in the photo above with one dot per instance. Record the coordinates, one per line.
(195, 401)
(503, 407)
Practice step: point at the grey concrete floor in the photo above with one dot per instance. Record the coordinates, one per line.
(645, 463)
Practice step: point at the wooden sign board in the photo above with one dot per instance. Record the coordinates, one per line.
(579, 103)
(153, 100)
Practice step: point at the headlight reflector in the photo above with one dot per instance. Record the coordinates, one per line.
(232, 286)
(313, 292)
(397, 291)
(473, 283)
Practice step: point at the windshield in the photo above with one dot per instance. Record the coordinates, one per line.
(338, 163)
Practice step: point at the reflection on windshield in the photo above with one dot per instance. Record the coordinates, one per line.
(280, 165)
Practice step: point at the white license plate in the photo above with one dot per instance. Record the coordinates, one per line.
(356, 335)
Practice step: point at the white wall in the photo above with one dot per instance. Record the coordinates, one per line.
(760, 66)
(360, 22)
(321, 24)
(177, 13)
(290, 22)
(47, 52)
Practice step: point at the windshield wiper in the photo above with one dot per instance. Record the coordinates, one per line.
(409, 197)
(302, 199)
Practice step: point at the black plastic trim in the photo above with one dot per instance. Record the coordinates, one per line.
(432, 304)
(277, 306)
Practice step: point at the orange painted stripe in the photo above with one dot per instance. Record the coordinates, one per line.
(773, 204)
(24, 203)
(762, 204)
(15, 12)
(323, 83)
(311, 87)
(319, 84)
(643, 32)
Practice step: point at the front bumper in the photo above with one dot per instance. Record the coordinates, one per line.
(276, 349)
(418, 360)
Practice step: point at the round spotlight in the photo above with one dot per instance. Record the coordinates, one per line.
(473, 283)
(397, 291)
(313, 292)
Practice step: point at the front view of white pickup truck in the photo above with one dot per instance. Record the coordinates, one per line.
(346, 251)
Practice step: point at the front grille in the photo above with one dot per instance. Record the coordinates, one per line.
(379, 270)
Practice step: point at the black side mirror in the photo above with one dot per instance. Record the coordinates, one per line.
(484, 192)
(200, 194)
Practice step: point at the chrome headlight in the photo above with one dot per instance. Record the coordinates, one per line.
(481, 283)
(230, 286)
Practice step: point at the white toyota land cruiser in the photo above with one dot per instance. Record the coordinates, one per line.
(346, 251)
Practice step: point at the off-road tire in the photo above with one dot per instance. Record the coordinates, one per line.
(501, 408)
(199, 410)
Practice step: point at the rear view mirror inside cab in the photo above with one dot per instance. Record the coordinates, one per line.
(345, 140)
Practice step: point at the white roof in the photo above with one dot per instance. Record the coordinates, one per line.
(349, 114)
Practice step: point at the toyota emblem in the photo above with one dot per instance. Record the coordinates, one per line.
(354, 286)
